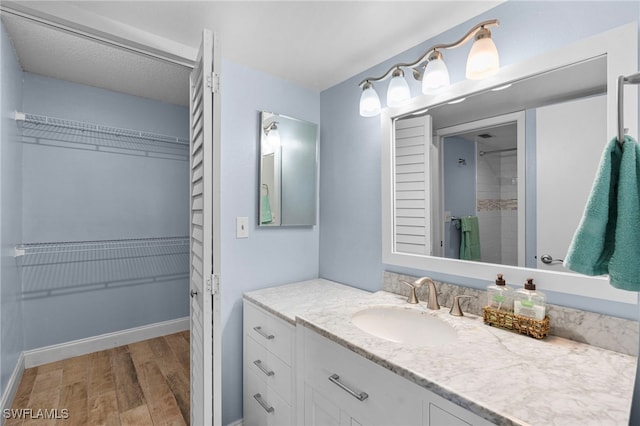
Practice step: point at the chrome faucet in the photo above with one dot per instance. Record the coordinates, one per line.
(432, 302)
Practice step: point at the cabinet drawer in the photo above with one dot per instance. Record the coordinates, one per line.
(263, 406)
(271, 369)
(438, 416)
(271, 332)
(437, 411)
(324, 359)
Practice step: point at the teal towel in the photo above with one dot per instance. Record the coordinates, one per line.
(607, 240)
(470, 240)
(265, 210)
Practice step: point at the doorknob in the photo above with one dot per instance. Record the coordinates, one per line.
(548, 259)
(193, 293)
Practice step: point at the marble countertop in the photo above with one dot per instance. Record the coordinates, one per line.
(504, 377)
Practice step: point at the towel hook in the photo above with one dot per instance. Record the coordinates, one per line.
(266, 188)
(622, 80)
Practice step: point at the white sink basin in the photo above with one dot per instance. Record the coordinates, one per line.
(407, 326)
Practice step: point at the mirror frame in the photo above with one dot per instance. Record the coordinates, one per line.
(620, 46)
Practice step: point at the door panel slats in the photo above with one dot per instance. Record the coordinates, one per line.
(204, 247)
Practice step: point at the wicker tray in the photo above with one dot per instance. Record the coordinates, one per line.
(519, 324)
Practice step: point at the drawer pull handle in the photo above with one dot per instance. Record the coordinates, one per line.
(264, 405)
(258, 364)
(263, 334)
(360, 396)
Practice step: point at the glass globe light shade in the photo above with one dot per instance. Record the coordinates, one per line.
(369, 102)
(436, 77)
(483, 60)
(398, 91)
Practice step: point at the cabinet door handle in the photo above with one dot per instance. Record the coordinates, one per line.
(264, 405)
(258, 330)
(360, 396)
(258, 364)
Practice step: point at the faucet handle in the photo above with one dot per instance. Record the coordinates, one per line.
(413, 298)
(455, 310)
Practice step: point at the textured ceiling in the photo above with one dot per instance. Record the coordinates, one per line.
(54, 53)
(315, 44)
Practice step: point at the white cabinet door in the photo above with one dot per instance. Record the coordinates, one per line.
(318, 409)
(437, 411)
(205, 238)
(322, 411)
(436, 416)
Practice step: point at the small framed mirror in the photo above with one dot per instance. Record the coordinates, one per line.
(288, 171)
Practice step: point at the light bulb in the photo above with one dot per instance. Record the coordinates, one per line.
(436, 76)
(483, 60)
(398, 91)
(369, 101)
(273, 138)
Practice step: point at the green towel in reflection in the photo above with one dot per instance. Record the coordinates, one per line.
(470, 239)
(265, 209)
(608, 237)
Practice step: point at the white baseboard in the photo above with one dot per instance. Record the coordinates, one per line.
(238, 422)
(53, 353)
(12, 386)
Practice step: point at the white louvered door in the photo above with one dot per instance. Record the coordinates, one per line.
(205, 236)
(413, 210)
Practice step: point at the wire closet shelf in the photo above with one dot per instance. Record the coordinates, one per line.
(83, 251)
(52, 130)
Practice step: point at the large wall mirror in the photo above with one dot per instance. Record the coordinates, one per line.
(497, 183)
(288, 169)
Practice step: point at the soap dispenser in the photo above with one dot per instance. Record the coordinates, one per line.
(499, 296)
(528, 302)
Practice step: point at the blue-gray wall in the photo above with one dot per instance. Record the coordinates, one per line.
(72, 194)
(11, 328)
(350, 198)
(269, 256)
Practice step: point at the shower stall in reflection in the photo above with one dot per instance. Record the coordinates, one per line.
(480, 177)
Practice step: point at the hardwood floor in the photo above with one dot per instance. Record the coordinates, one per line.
(144, 383)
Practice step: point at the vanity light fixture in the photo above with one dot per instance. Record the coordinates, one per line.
(272, 137)
(483, 61)
(456, 101)
(497, 89)
(420, 112)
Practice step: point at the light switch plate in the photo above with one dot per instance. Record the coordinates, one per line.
(242, 227)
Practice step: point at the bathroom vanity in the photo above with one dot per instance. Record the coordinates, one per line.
(306, 362)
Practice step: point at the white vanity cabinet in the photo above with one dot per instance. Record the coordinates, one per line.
(339, 387)
(268, 371)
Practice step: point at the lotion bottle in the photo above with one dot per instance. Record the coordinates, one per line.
(499, 296)
(528, 302)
